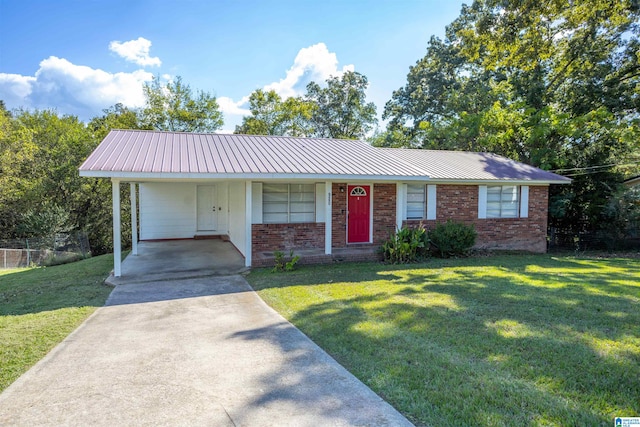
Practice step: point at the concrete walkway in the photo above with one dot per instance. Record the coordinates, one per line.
(196, 351)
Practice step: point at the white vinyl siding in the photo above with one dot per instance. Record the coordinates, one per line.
(416, 201)
(167, 210)
(285, 203)
(502, 201)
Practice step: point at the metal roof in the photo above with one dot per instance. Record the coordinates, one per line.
(131, 153)
(136, 154)
(469, 166)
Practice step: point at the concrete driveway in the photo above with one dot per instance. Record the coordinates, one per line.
(196, 351)
(177, 259)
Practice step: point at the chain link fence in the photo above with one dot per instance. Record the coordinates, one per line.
(39, 251)
(560, 239)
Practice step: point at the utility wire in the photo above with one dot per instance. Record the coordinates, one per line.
(595, 167)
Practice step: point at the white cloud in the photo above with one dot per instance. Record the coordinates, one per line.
(14, 88)
(313, 63)
(225, 131)
(73, 89)
(136, 51)
(229, 106)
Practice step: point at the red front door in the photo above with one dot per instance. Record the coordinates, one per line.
(358, 213)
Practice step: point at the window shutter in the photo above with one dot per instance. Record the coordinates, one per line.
(482, 201)
(524, 201)
(321, 202)
(431, 201)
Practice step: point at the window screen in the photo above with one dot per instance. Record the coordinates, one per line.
(502, 201)
(285, 203)
(416, 201)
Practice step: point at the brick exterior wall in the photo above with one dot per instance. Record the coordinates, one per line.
(460, 203)
(283, 237)
(338, 215)
(384, 212)
(457, 202)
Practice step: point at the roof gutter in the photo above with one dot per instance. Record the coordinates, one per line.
(298, 176)
(248, 176)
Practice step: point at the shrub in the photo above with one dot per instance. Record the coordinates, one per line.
(452, 238)
(281, 264)
(406, 245)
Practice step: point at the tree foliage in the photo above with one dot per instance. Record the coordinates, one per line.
(117, 116)
(341, 109)
(40, 153)
(174, 107)
(554, 84)
(270, 115)
(337, 110)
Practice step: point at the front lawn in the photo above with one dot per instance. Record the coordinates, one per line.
(505, 340)
(39, 307)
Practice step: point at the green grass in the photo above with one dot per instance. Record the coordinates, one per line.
(39, 307)
(506, 340)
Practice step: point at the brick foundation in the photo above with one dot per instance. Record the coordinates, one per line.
(357, 254)
(283, 237)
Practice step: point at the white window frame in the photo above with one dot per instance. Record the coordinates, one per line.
(430, 197)
(289, 207)
(503, 201)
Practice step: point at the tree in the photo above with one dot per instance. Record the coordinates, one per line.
(270, 115)
(40, 154)
(117, 116)
(40, 189)
(553, 84)
(173, 107)
(340, 109)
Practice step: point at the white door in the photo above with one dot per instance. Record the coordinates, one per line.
(207, 208)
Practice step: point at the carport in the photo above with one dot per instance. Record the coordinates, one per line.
(169, 259)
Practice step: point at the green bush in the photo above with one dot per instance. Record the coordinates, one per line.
(281, 264)
(406, 245)
(452, 238)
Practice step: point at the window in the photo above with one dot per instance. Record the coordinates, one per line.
(358, 191)
(502, 201)
(416, 201)
(284, 203)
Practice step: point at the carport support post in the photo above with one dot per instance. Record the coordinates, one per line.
(117, 246)
(134, 220)
(327, 218)
(248, 220)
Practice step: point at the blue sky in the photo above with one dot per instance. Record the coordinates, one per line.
(85, 55)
